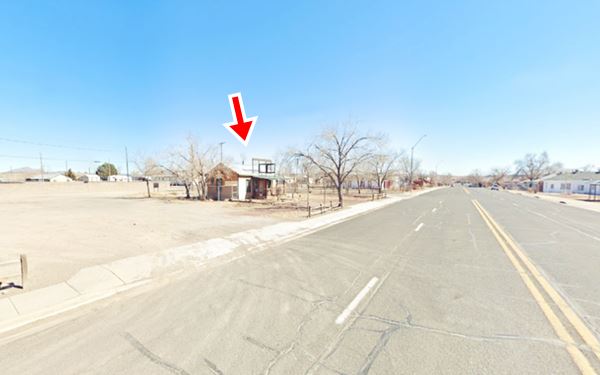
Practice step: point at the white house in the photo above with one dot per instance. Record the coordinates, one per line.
(118, 178)
(89, 178)
(573, 183)
(50, 177)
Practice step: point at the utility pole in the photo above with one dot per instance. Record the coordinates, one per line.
(127, 163)
(412, 151)
(221, 146)
(41, 167)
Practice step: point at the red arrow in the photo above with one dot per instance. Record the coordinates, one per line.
(240, 128)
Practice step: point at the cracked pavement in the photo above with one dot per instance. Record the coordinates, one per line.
(447, 301)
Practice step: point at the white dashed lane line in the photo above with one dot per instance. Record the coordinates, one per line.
(344, 315)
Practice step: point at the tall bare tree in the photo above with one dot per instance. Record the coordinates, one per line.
(360, 175)
(382, 162)
(498, 174)
(190, 164)
(409, 169)
(286, 163)
(337, 152)
(147, 167)
(533, 166)
(476, 178)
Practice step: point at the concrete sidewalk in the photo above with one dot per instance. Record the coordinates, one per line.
(561, 199)
(93, 283)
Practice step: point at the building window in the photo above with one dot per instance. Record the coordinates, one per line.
(551, 186)
(562, 186)
(581, 188)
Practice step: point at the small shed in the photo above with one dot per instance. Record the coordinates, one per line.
(239, 182)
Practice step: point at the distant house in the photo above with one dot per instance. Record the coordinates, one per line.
(49, 177)
(89, 178)
(575, 182)
(118, 178)
(241, 182)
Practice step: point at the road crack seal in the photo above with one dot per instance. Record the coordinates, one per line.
(275, 290)
(377, 349)
(153, 357)
(255, 342)
(213, 368)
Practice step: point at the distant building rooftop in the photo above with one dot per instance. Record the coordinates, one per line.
(574, 176)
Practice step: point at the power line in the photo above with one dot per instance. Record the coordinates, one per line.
(45, 158)
(53, 145)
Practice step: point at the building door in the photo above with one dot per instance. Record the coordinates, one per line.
(219, 187)
(242, 188)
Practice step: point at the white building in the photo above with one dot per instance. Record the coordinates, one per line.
(118, 178)
(89, 178)
(50, 177)
(573, 183)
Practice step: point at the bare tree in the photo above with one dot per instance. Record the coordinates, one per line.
(337, 152)
(287, 170)
(179, 168)
(588, 168)
(498, 174)
(409, 169)
(202, 160)
(533, 166)
(190, 164)
(382, 163)
(147, 167)
(476, 178)
(360, 175)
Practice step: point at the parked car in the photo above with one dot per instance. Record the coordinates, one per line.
(495, 187)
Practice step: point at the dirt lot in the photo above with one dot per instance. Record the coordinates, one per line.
(63, 227)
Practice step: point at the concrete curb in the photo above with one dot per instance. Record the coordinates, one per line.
(593, 207)
(97, 282)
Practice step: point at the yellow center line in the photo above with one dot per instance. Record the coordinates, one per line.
(466, 191)
(581, 328)
(580, 360)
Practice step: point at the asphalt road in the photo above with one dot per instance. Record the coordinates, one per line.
(422, 286)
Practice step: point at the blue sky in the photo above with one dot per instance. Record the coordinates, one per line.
(486, 81)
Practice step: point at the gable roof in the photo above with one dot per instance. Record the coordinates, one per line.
(243, 171)
(574, 176)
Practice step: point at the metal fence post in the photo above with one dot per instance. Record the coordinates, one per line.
(24, 269)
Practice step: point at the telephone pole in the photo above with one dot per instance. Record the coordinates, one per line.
(412, 151)
(41, 168)
(127, 163)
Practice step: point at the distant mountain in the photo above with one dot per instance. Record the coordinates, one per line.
(25, 170)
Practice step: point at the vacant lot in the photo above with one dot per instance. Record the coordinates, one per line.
(65, 227)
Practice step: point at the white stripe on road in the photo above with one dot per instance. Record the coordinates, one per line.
(434, 209)
(344, 315)
(418, 228)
